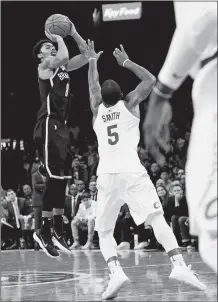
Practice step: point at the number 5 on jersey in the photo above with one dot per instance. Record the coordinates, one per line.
(113, 135)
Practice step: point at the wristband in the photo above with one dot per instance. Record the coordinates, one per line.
(125, 62)
(92, 59)
(161, 94)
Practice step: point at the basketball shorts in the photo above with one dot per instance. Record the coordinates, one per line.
(134, 189)
(53, 143)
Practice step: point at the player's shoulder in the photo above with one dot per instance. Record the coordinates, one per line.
(133, 110)
(45, 73)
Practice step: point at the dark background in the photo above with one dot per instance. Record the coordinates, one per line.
(146, 41)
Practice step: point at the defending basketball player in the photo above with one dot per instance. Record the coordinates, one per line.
(51, 133)
(193, 51)
(121, 176)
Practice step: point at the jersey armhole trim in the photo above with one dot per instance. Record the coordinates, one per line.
(138, 118)
(51, 77)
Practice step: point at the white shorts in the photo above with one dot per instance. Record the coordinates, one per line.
(134, 189)
(201, 166)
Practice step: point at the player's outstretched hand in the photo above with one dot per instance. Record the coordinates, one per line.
(156, 130)
(89, 52)
(52, 37)
(120, 55)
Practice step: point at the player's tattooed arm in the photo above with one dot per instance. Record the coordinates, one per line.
(76, 62)
(148, 80)
(93, 77)
(94, 86)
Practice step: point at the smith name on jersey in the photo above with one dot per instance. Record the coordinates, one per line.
(54, 95)
(117, 131)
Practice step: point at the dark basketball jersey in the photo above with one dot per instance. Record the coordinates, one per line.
(55, 95)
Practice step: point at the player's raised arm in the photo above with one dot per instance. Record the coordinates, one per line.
(93, 77)
(61, 57)
(141, 92)
(79, 60)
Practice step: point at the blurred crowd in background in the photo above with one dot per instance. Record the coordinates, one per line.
(21, 197)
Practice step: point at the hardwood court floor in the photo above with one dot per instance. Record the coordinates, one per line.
(33, 276)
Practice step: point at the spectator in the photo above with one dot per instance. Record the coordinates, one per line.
(122, 228)
(177, 208)
(27, 192)
(180, 173)
(154, 173)
(16, 212)
(160, 182)
(165, 177)
(182, 180)
(93, 190)
(172, 185)
(72, 203)
(4, 227)
(79, 172)
(25, 177)
(187, 240)
(38, 183)
(93, 178)
(94, 166)
(85, 220)
(164, 198)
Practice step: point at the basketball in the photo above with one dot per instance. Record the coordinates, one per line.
(58, 24)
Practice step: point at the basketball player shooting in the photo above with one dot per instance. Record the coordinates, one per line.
(121, 176)
(193, 51)
(51, 133)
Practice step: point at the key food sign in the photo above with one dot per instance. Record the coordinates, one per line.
(122, 11)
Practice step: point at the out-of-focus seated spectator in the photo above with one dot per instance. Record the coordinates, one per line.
(94, 166)
(84, 220)
(93, 190)
(122, 232)
(72, 203)
(93, 178)
(172, 185)
(177, 207)
(79, 173)
(182, 180)
(25, 176)
(5, 241)
(180, 173)
(27, 192)
(164, 199)
(160, 182)
(188, 241)
(16, 214)
(165, 177)
(175, 171)
(38, 183)
(154, 173)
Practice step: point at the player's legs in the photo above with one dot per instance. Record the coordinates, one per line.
(56, 144)
(108, 207)
(201, 188)
(144, 205)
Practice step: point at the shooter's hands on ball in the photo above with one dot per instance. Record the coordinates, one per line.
(89, 51)
(73, 28)
(52, 37)
(120, 55)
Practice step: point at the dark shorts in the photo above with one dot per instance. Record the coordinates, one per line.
(52, 140)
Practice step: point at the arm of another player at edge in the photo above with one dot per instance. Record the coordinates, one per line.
(94, 86)
(141, 92)
(186, 48)
(79, 60)
(60, 59)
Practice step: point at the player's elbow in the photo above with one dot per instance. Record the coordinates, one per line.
(149, 84)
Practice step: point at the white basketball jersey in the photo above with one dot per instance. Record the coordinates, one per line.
(118, 135)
